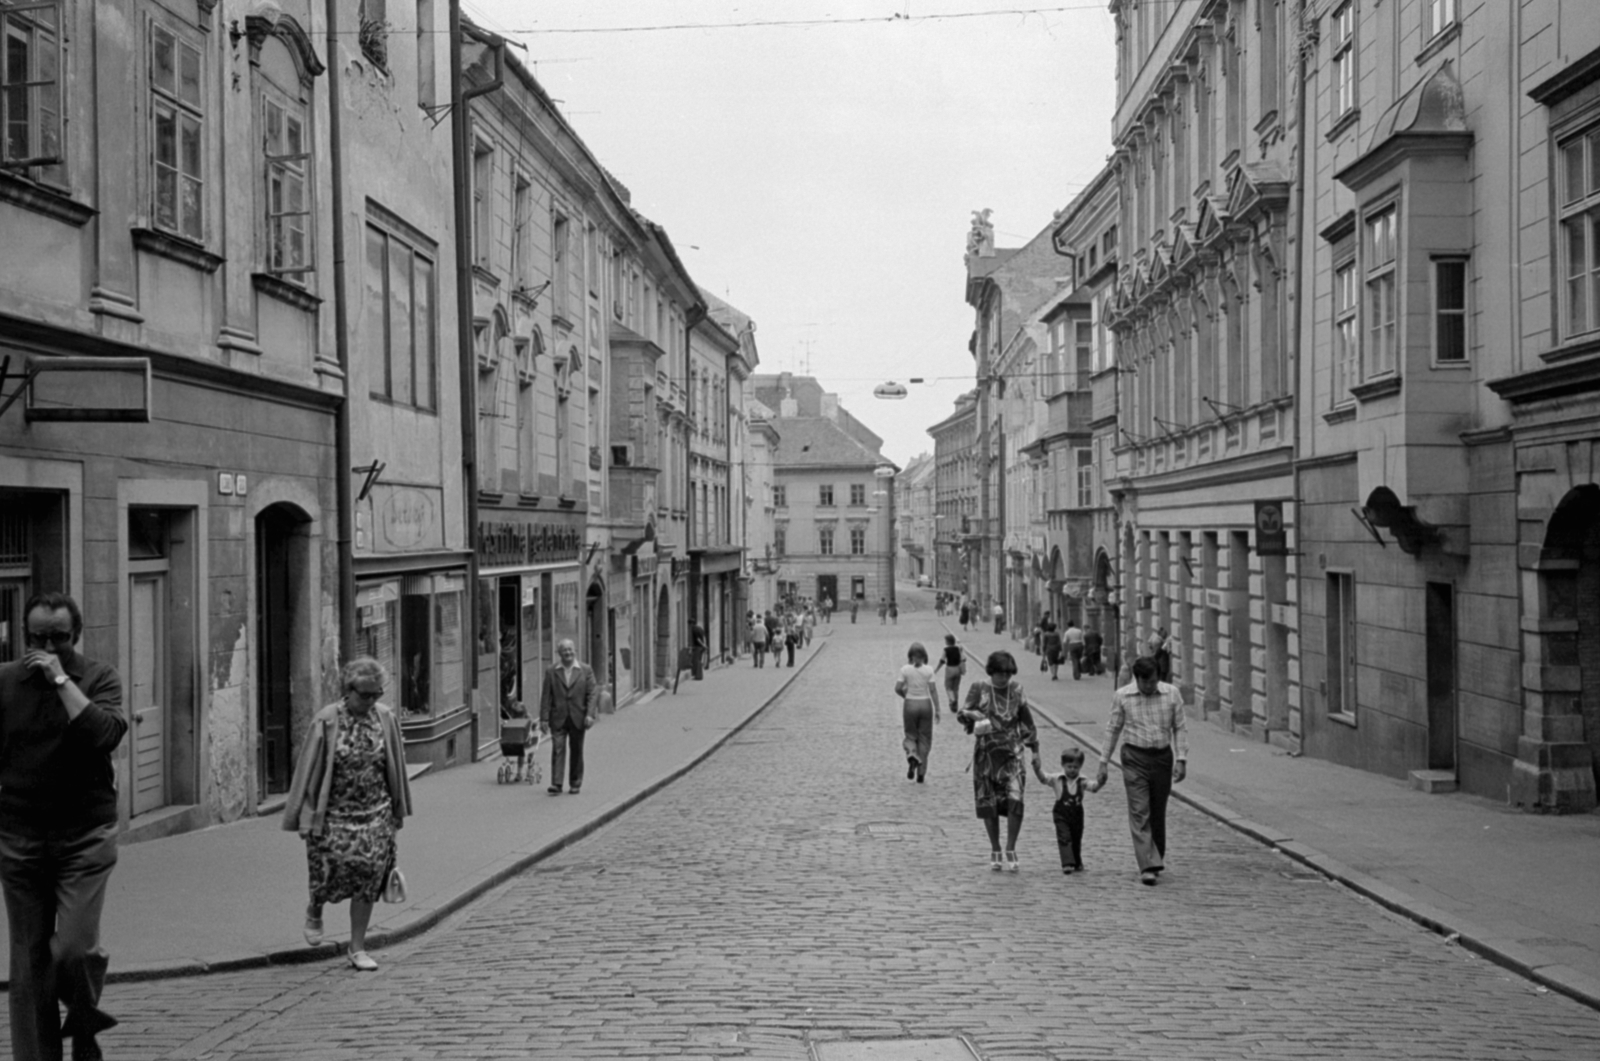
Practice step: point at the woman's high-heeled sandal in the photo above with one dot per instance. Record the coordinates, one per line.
(994, 861)
(1011, 862)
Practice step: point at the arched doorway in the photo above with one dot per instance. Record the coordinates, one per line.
(282, 618)
(663, 638)
(1571, 578)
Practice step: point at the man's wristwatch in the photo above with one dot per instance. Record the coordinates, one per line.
(60, 680)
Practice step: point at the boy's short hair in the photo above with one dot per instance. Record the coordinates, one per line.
(949, 639)
(1072, 755)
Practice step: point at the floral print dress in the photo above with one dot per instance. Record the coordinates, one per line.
(353, 856)
(998, 757)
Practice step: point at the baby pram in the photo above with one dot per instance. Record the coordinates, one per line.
(519, 740)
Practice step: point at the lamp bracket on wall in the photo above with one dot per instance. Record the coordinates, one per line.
(1217, 406)
(1361, 517)
(371, 471)
(23, 378)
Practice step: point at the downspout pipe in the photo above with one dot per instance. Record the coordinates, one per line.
(461, 169)
(344, 499)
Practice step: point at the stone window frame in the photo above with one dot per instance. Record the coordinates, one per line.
(858, 541)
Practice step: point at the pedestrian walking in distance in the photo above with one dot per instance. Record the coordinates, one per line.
(1092, 644)
(1148, 715)
(953, 660)
(60, 720)
(1161, 653)
(758, 641)
(965, 614)
(996, 714)
(999, 618)
(855, 606)
(883, 612)
(1050, 644)
(1074, 642)
(349, 797)
(1069, 786)
(920, 711)
(566, 712)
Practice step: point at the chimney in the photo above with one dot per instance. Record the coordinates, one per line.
(788, 407)
(830, 407)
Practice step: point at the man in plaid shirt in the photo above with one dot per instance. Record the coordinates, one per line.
(1149, 714)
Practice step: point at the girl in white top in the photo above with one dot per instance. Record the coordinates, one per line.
(921, 711)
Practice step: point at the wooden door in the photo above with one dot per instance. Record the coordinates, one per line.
(147, 635)
(1441, 635)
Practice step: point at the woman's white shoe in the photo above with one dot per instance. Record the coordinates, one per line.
(362, 961)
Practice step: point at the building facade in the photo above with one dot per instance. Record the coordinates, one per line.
(1450, 397)
(760, 511)
(1085, 525)
(1202, 319)
(955, 498)
(914, 519)
(1007, 289)
(196, 513)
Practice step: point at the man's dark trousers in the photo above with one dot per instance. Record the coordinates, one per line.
(1147, 776)
(1076, 652)
(55, 887)
(789, 644)
(562, 739)
(1069, 834)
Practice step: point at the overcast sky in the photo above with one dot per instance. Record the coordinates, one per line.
(822, 178)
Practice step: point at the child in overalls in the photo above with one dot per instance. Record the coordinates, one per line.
(1069, 788)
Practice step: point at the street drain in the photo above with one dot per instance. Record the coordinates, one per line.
(1299, 875)
(894, 1050)
(896, 830)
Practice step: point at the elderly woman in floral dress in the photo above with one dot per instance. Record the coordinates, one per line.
(996, 713)
(349, 796)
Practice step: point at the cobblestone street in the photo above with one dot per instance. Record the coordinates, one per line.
(796, 887)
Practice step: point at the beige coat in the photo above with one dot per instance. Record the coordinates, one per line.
(308, 793)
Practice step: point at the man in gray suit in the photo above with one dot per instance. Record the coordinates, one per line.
(566, 711)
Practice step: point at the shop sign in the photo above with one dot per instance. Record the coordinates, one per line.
(1272, 538)
(407, 519)
(645, 561)
(502, 543)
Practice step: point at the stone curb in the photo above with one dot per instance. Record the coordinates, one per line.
(422, 919)
(1506, 953)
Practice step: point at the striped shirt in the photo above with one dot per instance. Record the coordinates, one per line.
(1148, 721)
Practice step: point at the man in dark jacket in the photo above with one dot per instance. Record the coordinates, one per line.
(60, 720)
(566, 711)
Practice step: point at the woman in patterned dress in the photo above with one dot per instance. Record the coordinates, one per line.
(349, 796)
(996, 712)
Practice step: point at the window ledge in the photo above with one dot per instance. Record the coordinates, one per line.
(528, 500)
(1569, 350)
(482, 273)
(1343, 414)
(559, 319)
(525, 296)
(286, 292)
(1344, 718)
(1378, 388)
(490, 497)
(177, 249)
(43, 199)
(1349, 118)
(1439, 42)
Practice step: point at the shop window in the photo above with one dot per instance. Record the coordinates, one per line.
(31, 89)
(400, 325)
(177, 117)
(1450, 311)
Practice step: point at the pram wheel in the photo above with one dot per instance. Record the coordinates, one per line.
(505, 773)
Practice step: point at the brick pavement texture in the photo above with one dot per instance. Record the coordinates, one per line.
(795, 889)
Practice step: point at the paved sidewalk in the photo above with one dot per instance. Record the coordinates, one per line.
(233, 896)
(1517, 888)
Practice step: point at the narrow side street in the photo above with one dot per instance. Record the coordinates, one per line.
(796, 888)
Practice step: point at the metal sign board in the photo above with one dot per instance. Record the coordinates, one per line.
(1272, 537)
(81, 389)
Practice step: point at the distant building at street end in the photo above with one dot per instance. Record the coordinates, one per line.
(832, 534)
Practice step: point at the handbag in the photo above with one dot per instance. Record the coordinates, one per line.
(394, 889)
